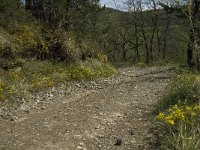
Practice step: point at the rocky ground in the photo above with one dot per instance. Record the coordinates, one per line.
(106, 114)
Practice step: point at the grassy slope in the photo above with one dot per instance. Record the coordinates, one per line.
(34, 76)
(20, 74)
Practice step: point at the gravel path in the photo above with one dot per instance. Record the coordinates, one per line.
(107, 114)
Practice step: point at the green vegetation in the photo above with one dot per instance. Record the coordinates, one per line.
(180, 125)
(184, 89)
(34, 76)
(44, 43)
(179, 117)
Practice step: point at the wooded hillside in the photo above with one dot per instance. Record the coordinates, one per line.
(148, 31)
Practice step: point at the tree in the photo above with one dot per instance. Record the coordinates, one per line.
(194, 41)
(190, 10)
(60, 13)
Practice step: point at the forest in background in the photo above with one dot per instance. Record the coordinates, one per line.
(148, 31)
(152, 31)
(58, 30)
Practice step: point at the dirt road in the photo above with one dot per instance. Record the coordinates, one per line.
(107, 114)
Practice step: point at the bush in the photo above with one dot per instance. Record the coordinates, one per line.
(178, 114)
(183, 89)
(7, 45)
(61, 45)
(101, 57)
(181, 125)
(30, 40)
(179, 117)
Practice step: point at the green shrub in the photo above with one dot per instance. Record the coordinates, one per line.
(181, 128)
(183, 89)
(7, 45)
(30, 41)
(179, 116)
(101, 57)
(61, 45)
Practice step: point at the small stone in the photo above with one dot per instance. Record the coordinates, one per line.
(133, 141)
(118, 142)
(43, 108)
(79, 147)
(131, 132)
(81, 144)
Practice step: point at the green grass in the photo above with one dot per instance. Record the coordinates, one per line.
(35, 76)
(180, 126)
(179, 113)
(183, 89)
(186, 137)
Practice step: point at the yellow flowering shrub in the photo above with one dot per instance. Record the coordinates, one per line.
(180, 114)
(176, 114)
(30, 40)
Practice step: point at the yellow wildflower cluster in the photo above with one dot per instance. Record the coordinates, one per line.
(176, 114)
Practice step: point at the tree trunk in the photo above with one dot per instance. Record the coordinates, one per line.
(165, 37)
(193, 31)
(144, 35)
(28, 4)
(190, 49)
(136, 46)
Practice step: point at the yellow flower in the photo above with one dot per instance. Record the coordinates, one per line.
(171, 122)
(160, 116)
(188, 108)
(197, 108)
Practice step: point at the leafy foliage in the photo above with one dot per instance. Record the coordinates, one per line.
(30, 40)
